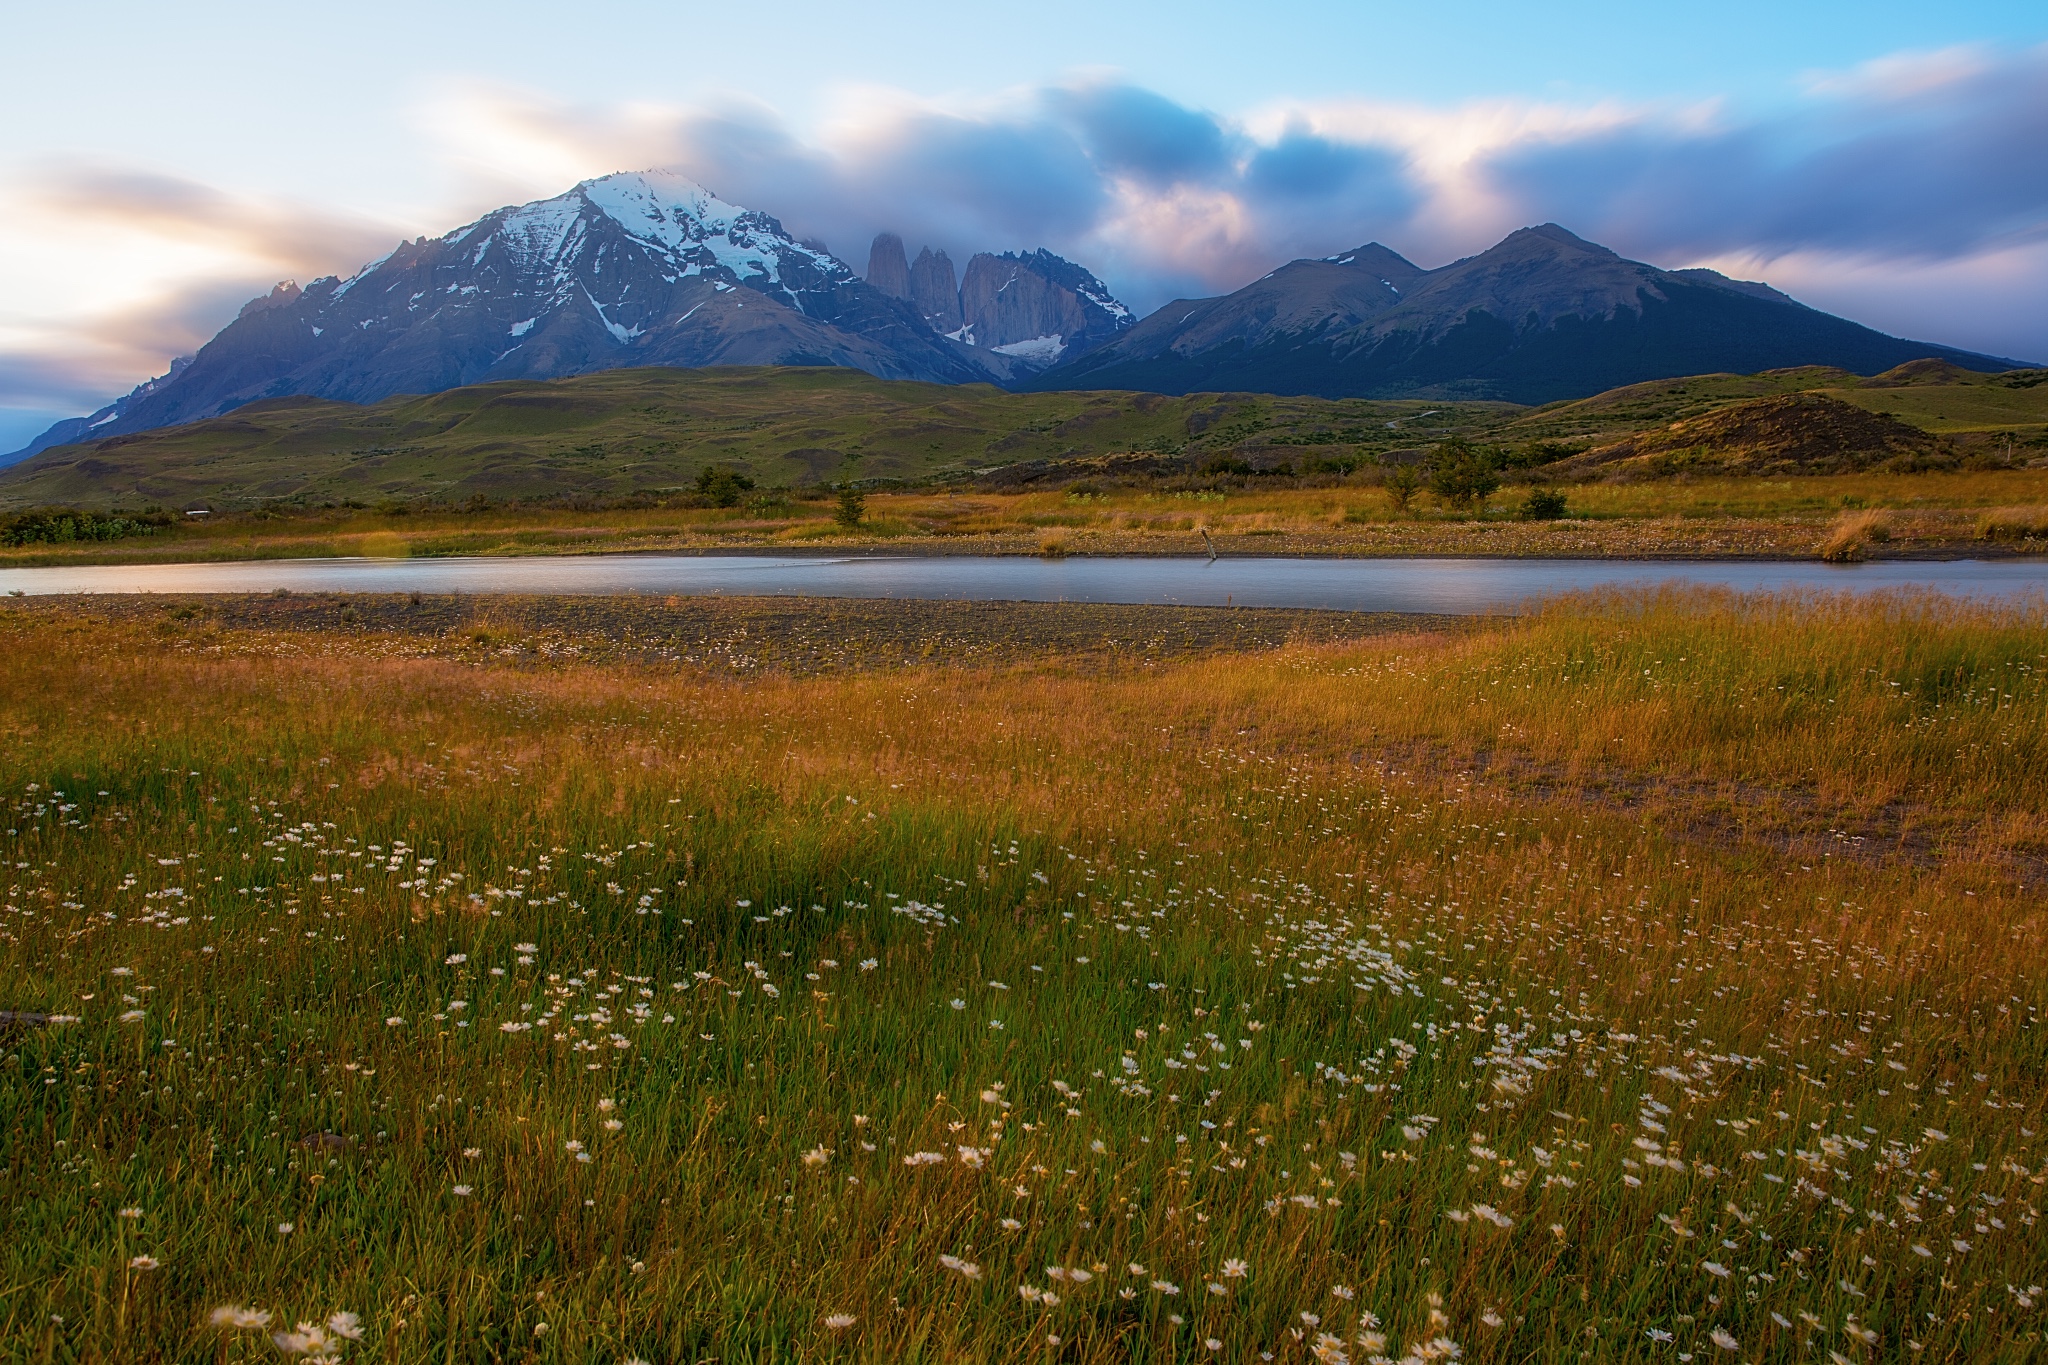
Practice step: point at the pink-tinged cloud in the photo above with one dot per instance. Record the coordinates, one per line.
(1911, 194)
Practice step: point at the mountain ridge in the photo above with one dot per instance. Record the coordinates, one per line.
(1542, 315)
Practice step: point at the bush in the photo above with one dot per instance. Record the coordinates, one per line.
(1402, 483)
(723, 484)
(67, 525)
(1461, 474)
(1543, 504)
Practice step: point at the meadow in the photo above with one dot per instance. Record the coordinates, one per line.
(1954, 512)
(1649, 978)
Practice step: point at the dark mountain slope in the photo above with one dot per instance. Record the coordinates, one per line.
(1542, 316)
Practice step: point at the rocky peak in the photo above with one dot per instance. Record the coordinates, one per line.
(888, 267)
(934, 291)
(1037, 306)
(281, 295)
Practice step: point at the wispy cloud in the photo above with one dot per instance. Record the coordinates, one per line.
(1911, 193)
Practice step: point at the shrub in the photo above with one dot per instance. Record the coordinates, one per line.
(1402, 483)
(1461, 474)
(853, 506)
(67, 525)
(723, 484)
(1543, 504)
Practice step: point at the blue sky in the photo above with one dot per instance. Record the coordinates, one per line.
(158, 165)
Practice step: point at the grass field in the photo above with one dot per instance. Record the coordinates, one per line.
(1939, 512)
(648, 432)
(1646, 979)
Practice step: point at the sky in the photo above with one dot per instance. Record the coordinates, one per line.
(159, 165)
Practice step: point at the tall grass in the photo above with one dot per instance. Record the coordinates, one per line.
(1346, 1002)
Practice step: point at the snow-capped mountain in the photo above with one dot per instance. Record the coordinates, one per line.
(642, 268)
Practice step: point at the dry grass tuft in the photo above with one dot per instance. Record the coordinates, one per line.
(1851, 536)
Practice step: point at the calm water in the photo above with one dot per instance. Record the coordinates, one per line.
(1413, 585)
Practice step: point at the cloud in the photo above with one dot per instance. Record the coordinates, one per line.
(1928, 160)
(1910, 193)
(133, 268)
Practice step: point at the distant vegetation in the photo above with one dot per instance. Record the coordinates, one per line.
(709, 437)
(70, 525)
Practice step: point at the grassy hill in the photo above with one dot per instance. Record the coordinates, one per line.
(641, 430)
(653, 430)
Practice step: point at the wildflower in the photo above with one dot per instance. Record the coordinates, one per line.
(839, 1322)
(1213, 1344)
(817, 1157)
(347, 1326)
(462, 1191)
(1234, 1269)
(307, 1340)
(1657, 1334)
(1714, 1268)
(1330, 1350)
(1860, 1332)
(142, 1263)
(967, 1269)
(235, 1318)
(132, 1017)
(395, 1021)
(1492, 1318)
(613, 1125)
(1166, 1286)
(1011, 1225)
(1723, 1340)
(1343, 1291)
(131, 1213)
(284, 1229)
(472, 1152)
(455, 959)
(1216, 1288)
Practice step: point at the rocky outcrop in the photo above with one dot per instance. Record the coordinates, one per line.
(888, 267)
(1037, 306)
(933, 291)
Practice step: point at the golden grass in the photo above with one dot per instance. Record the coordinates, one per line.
(1853, 533)
(2014, 523)
(1646, 966)
(1777, 517)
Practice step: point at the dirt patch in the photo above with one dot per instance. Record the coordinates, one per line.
(1796, 433)
(748, 635)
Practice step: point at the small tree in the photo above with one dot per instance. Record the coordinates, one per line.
(1462, 475)
(722, 484)
(1402, 483)
(853, 506)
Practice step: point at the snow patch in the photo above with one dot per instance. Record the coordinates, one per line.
(520, 329)
(1037, 351)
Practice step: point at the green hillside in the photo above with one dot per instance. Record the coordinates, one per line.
(652, 430)
(642, 430)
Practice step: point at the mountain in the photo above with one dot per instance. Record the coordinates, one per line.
(1542, 316)
(1032, 309)
(625, 270)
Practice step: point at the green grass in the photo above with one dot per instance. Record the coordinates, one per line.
(1484, 987)
(629, 431)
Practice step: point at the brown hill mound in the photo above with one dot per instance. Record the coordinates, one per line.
(1795, 433)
